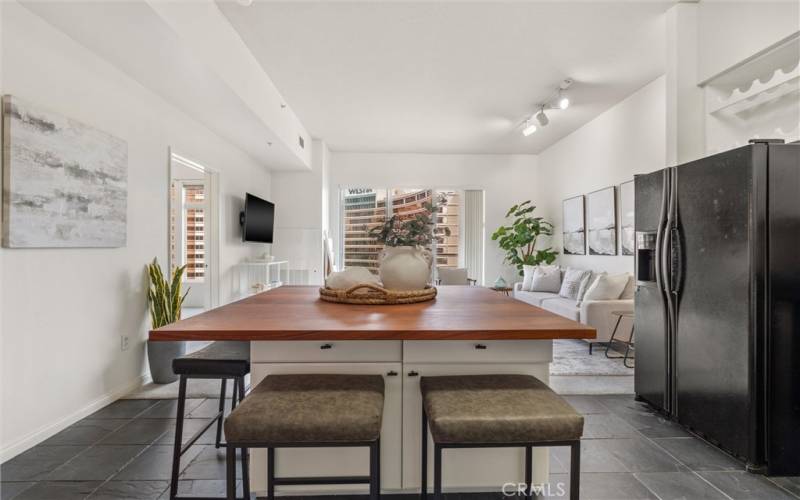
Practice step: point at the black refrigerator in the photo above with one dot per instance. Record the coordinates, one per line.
(718, 300)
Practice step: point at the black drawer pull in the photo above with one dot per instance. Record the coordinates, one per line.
(392, 374)
(326, 346)
(412, 373)
(480, 346)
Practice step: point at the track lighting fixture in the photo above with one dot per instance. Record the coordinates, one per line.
(529, 128)
(558, 100)
(542, 118)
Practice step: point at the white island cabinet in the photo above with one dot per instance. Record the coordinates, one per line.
(401, 363)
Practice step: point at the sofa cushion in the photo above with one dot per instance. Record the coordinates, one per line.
(563, 307)
(630, 289)
(546, 279)
(572, 283)
(534, 298)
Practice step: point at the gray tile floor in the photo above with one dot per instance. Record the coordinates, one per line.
(123, 452)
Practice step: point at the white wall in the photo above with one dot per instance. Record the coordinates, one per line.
(64, 310)
(300, 210)
(730, 32)
(505, 179)
(628, 139)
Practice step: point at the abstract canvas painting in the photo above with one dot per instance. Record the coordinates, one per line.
(601, 217)
(574, 231)
(626, 221)
(64, 182)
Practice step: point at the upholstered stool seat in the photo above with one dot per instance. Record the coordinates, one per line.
(300, 411)
(497, 409)
(480, 411)
(309, 408)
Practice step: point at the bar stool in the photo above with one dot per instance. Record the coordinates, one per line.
(494, 411)
(219, 360)
(298, 411)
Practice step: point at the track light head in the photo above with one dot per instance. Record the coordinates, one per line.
(542, 118)
(529, 128)
(563, 100)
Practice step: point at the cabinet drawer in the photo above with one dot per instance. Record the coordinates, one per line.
(476, 351)
(318, 351)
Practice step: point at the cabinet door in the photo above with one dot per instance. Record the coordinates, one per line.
(336, 461)
(464, 468)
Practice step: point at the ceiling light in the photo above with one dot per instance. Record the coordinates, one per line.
(529, 128)
(563, 100)
(542, 118)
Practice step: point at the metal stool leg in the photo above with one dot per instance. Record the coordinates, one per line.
(528, 471)
(270, 473)
(230, 468)
(575, 471)
(176, 451)
(223, 386)
(424, 473)
(246, 472)
(374, 473)
(437, 471)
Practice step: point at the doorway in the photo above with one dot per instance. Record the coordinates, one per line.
(194, 231)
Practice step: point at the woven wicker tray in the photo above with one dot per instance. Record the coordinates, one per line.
(376, 295)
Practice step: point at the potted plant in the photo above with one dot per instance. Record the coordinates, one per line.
(519, 238)
(405, 262)
(164, 299)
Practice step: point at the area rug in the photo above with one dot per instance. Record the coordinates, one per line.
(571, 357)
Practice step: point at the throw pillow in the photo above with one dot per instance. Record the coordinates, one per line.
(572, 283)
(546, 279)
(527, 277)
(607, 287)
(586, 283)
(630, 289)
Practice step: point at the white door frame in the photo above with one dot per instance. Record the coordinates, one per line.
(214, 218)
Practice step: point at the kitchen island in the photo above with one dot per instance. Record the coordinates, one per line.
(465, 330)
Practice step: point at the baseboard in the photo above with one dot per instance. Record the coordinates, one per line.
(32, 439)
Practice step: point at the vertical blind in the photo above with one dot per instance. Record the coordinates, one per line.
(473, 233)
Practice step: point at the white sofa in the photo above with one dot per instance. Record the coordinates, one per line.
(595, 313)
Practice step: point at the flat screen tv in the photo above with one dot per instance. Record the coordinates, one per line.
(257, 220)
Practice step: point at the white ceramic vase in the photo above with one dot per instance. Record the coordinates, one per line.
(405, 268)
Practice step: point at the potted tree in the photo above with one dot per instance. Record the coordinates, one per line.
(165, 300)
(518, 239)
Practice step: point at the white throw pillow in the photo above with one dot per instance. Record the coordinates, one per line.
(630, 289)
(527, 276)
(586, 283)
(546, 279)
(571, 284)
(607, 287)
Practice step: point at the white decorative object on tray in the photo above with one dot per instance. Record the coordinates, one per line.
(405, 267)
(351, 277)
(65, 184)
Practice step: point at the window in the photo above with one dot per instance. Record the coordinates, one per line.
(188, 240)
(365, 208)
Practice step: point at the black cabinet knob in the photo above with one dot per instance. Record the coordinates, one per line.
(392, 374)
(480, 346)
(412, 373)
(326, 346)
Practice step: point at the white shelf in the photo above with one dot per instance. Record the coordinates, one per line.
(781, 83)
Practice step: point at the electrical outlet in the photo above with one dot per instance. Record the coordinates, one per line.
(124, 342)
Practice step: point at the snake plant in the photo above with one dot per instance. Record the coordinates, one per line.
(163, 296)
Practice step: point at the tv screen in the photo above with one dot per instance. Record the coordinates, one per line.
(258, 219)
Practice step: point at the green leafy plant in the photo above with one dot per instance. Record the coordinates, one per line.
(416, 231)
(519, 238)
(164, 296)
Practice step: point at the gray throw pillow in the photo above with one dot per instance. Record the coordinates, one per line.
(571, 285)
(546, 279)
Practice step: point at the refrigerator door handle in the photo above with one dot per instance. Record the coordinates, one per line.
(660, 231)
(676, 260)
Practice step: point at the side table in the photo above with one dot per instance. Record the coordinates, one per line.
(629, 344)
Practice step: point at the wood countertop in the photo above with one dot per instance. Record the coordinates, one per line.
(297, 313)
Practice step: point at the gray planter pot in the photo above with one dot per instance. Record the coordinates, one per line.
(160, 356)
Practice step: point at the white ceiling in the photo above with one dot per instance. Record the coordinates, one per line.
(450, 77)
